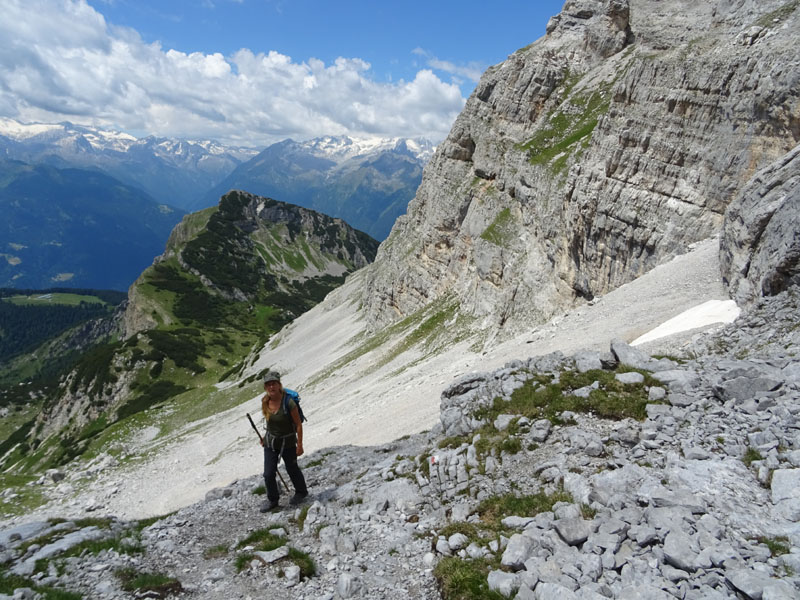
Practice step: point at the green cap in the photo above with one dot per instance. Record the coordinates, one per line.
(272, 376)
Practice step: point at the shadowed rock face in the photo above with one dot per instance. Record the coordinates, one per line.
(591, 156)
(760, 246)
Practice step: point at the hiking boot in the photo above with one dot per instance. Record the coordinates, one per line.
(298, 498)
(268, 505)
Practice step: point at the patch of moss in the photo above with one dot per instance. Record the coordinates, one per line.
(778, 16)
(501, 231)
(496, 508)
(573, 121)
(539, 397)
(135, 581)
(751, 455)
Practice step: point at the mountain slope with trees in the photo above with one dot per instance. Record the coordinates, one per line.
(76, 227)
(231, 276)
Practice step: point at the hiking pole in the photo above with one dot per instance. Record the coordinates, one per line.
(260, 437)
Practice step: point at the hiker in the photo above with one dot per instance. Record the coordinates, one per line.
(284, 439)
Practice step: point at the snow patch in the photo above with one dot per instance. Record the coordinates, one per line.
(707, 313)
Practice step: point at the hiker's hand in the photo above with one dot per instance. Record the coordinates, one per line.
(262, 442)
(299, 449)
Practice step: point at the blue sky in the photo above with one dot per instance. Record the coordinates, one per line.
(252, 72)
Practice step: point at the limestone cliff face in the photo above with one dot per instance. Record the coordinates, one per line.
(760, 246)
(586, 159)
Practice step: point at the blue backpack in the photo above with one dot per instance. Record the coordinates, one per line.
(296, 397)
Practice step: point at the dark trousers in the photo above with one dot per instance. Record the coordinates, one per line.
(288, 452)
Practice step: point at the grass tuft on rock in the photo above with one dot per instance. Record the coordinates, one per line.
(464, 579)
(543, 396)
(494, 509)
(158, 583)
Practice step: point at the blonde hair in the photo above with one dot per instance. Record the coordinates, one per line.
(265, 400)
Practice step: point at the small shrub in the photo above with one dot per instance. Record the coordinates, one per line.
(307, 567)
(452, 442)
(217, 551)
(468, 529)
(511, 445)
(319, 461)
(425, 464)
(777, 545)
(301, 518)
(242, 561)
(494, 509)
(263, 540)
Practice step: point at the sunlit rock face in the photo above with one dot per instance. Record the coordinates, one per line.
(587, 158)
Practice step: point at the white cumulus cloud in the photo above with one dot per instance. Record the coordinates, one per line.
(471, 71)
(61, 61)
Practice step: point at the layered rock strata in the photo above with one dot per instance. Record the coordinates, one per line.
(591, 156)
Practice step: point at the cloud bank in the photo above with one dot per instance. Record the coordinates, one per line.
(61, 61)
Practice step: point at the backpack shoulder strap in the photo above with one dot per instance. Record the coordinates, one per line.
(289, 394)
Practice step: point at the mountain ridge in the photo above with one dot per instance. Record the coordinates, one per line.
(173, 171)
(368, 183)
(56, 219)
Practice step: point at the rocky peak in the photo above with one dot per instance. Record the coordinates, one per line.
(600, 29)
(249, 244)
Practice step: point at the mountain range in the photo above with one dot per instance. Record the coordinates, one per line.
(174, 172)
(368, 183)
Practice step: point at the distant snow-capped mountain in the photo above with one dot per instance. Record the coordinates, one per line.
(343, 148)
(366, 182)
(176, 172)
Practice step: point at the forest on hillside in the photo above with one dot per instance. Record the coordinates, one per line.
(25, 324)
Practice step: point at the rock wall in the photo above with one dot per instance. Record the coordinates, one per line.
(591, 156)
(760, 246)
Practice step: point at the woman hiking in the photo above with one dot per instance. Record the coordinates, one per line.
(284, 439)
